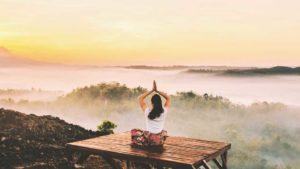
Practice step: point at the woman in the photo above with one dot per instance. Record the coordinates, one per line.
(155, 118)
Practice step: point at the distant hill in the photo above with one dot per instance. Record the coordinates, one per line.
(9, 59)
(175, 67)
(30, 94)
(278, 70)
(37, 142)
(202, 71)
(180, 67)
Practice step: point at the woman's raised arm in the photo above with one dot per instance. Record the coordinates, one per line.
(142, 99)
(167, 97)
(144, 95)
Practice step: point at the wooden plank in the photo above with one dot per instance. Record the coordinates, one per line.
(127, 134)
(180, 143)
(124, 136)
(137, 152)
(182, 152)
(166, 146)
(127, 141)
(174, 149)
(177, 152)
(125, 150)
(117, 148)
(135, 158)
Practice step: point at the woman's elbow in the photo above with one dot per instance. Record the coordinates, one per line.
(140, 98)
(169, 98)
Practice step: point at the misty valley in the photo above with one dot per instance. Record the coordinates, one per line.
(263, 134)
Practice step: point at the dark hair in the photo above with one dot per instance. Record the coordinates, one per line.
(157, 107)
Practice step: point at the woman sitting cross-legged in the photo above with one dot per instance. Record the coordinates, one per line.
(155, 116)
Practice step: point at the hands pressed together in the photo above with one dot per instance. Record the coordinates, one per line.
(154, 88)
(147, 93)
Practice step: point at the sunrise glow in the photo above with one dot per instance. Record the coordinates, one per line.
(215, 32)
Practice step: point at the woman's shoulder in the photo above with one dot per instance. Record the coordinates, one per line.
(165, 109)
(147, 110)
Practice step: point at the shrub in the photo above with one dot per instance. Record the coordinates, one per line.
(106, 127)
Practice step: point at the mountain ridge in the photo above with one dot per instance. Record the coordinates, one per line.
(276, 70)
(7, 58)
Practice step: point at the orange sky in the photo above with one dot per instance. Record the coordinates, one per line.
(203, 32)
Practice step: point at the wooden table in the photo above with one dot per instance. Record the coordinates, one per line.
(177, 152)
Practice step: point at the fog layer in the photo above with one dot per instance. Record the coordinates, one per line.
(244, 90)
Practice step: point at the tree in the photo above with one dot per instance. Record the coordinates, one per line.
(106, 127)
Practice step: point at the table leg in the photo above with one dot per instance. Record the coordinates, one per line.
(224, 160)
(217, 163)
(128, 164)
(70, 155)
(206, 165)
(82, 158)
(124, 164)
(187, 167)
(158, 166)
(111, 162)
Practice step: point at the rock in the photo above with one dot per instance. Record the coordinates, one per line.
(19, 167)
(3, 139)
(37, 142)
(78, 166)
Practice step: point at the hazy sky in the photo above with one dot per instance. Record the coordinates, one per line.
(114, 32)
